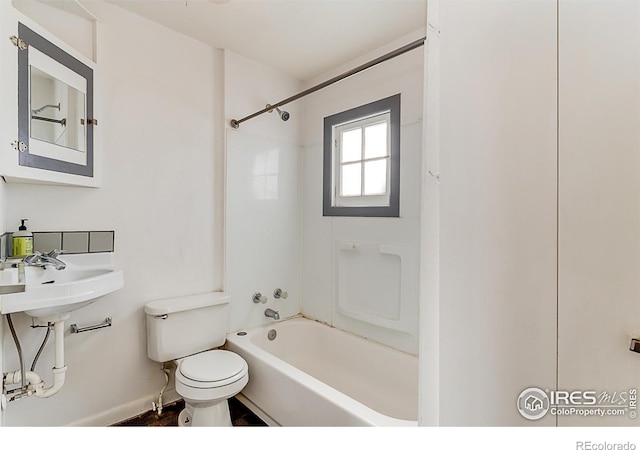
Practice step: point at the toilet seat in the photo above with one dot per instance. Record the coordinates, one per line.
(211, 369)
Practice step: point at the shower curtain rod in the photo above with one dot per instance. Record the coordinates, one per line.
(411, 46)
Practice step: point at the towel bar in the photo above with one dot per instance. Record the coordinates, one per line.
(75, 329)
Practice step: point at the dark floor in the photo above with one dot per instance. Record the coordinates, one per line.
(241, 416)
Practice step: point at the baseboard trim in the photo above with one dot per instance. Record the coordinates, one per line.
(126, 411)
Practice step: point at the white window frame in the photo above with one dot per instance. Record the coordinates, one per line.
(362, 199)
(384, 205)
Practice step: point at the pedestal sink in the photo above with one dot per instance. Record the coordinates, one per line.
(50, 294)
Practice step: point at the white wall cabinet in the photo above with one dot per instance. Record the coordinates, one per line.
(48, 120)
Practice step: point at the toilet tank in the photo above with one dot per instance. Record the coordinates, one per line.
(182, 326)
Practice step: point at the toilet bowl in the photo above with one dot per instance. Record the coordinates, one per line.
(206, 381)
(185, 330)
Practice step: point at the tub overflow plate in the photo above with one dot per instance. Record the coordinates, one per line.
(271, 335)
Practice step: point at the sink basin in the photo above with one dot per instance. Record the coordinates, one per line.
(51, 294)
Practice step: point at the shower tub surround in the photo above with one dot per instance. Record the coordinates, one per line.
(312, 374)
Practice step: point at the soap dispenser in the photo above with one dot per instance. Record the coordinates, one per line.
(22, 241)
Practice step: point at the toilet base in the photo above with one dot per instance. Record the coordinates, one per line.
(205, 415)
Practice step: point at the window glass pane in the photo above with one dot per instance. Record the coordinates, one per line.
(350, 181)
(351, 145)
(375, 177)
(375, 138)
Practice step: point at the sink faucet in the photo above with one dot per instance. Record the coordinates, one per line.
(271, 313)
(47, 260)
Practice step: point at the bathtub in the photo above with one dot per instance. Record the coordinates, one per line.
(315, 375)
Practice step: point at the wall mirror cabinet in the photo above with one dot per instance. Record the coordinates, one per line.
(55, 137)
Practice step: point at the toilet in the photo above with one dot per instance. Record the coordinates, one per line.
(185, 330)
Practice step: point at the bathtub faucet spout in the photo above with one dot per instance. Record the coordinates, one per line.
(271, 313)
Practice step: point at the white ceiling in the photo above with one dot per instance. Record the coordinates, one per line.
(302, 38)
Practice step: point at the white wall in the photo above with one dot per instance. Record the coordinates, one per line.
(161, 193)
(263, 228)
(322, 235)
(599, 199)
(71, 28)
(429, 323)
(497, 208)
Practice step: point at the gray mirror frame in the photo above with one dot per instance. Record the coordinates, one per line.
(33, 39)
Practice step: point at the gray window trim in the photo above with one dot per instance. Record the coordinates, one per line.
(393, 210)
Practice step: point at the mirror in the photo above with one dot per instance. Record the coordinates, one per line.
(55, 107)
(57, 111)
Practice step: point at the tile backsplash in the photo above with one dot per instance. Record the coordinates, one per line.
(101, 241)
(74, 242)
(71, 242)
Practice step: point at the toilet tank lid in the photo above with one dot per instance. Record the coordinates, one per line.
(177, 304)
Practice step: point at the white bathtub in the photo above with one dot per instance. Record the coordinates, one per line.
(315, 375)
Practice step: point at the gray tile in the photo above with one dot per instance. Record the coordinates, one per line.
(9, 244)
(44, 242)
(4, 249)
(101, 241)
(75, 241)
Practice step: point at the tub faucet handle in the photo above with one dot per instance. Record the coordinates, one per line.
(279, 293)
(259, 298)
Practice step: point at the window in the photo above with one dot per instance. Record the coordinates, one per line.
(362, 160)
